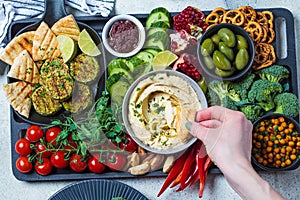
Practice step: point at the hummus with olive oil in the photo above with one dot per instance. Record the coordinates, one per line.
(159, 107)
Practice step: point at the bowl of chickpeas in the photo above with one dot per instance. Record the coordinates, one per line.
(276, 143)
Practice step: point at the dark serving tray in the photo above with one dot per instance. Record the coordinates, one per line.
(283, 44)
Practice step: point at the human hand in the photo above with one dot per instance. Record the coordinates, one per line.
(227, 136)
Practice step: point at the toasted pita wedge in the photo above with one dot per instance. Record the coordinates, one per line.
(45, 44)
(24, 68)
(16, 46)
(18, 94)
(66, 26)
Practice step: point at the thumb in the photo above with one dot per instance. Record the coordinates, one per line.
(197, 130)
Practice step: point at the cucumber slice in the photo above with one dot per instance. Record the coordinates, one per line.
(155, 44)
(118, 90)
(160, 24)
(152, 51)
(132, 62)
(113, 79)
(117, 63)
(157, 34)
(141, 70)
(125, 73)
(145, 56)
(160, 9)
(157, 15)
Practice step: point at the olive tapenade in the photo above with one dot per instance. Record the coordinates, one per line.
(123, 36)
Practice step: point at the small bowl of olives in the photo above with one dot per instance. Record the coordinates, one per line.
(225, 51)
(276, 143)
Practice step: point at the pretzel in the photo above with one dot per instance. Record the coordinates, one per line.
(262, 50)
(212, 18)
(268, 58)
(234, 17)
(219, 11)
(255, 31)
(270, 17)
(270, 35)
(265, 34)
(261, 19)
(248, 12)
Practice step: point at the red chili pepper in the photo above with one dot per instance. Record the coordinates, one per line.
(177, 180)
(176, 169)
(193, 172)
(206, 166)
(188, 164)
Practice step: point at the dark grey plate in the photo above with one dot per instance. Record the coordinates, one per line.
(97, 189)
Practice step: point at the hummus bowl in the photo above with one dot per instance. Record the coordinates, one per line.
(156, 108)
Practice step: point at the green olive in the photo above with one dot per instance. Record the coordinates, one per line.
(209, 62)
(227, 36)
(241, 59)
(221, 61)
(215, 38)
(241, 42)
(202, 84)
(224, 73)
(227, 51)
(207, 47)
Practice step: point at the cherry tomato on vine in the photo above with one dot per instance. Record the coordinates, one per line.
(51, 134)
(116, 161)
(42, 150)
(77, 163)
(23, 164)
(22, 147)
(71, 144)
(58, 159)
(34, 133)
(130, 144)
(43, 166)
(95, 166)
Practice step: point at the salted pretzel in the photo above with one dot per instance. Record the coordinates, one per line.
(248, 12)
(270, 35)
(219, 11)
(255, 31)
(262, 58)
(262, 51)
(269, 16)
(265, 34)
(234, 17)
(212, 18)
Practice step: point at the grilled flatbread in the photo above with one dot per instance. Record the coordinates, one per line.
(18, 94)
(66, 26)
(24, 68)
(45, 44)
(16, 46)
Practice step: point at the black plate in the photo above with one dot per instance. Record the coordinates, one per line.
(55, 10)
(18, 125)
(97, 190)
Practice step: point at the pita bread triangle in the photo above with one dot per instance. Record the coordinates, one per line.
(24, 68)
(45, 44)
(18, 94)
(16, 46)
(66, 26)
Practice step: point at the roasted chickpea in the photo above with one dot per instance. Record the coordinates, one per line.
(265, 162)
(291, 143)
(262, 123)
(278, 162)
(281, 119)
(276, 150)
(270, 155)
(298, 144)
(269, 149)
(291, 125)
(262, 129)
(258, 145)
(270, 143)
(283, 164)
(278, 156)
(260, 137)
(282, 141)
(260, 160)
(286, 131)
(282, 151)
(280, 128)
(288, 162)
(293, 157)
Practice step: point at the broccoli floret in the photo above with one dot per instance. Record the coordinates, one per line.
(262, 92)
(228, 103)
(287, 103)
(252, 112)
(212, 98)
(243, 85)
(274, 73)
(223, 89)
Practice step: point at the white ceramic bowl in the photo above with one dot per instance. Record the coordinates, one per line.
(125, 107)
(107, 27)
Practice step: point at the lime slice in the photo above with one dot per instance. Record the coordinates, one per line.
(163, 59)
(67, 47)
(87, 45)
